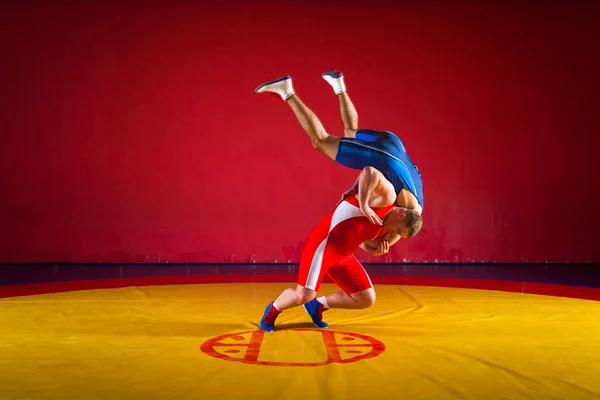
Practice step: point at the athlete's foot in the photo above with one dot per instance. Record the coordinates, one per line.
(336, 79)
(267, 323)
(280, 86)
(315, 310)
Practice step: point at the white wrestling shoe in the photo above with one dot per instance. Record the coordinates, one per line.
(336, 79)
(280, 86)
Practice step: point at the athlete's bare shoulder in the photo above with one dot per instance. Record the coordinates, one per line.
(408, 200)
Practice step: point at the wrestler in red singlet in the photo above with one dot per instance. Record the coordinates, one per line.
(330, 249)
(331, 245)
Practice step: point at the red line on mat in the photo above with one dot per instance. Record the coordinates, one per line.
(333, 353)
(254, 346)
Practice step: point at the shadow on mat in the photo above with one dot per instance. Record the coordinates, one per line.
(295, 325)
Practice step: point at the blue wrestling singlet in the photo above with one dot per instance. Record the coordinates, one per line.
(386, 152)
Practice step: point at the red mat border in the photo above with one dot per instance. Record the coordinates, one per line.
(577, 292)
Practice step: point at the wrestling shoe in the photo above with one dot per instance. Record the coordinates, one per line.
(332, 74)
(315, 310)
(267, 323)
(280, 86)
(336, 79)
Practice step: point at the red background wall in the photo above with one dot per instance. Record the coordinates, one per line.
(133, 133)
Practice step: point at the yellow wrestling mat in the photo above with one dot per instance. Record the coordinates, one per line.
(200, 342)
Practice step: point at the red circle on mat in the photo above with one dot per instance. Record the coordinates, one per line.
(249, 350)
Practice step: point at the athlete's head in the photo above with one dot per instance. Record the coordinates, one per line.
(403, 221)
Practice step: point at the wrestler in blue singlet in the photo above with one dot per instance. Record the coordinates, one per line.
(385, 152)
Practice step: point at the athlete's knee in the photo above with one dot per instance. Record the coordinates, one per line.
(326, 144)
(319, 143)
(366, 298)
(304, 298)
(304, 295)
(370, 298)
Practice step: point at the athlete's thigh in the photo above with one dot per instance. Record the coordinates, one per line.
(318, 255)
(350, 275)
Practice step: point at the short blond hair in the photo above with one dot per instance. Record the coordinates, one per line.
(413, 221)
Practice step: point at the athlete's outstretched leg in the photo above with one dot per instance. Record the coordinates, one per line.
(342, 299)
(347, 109)
(322, 141)
(357, 291)
(349, 115)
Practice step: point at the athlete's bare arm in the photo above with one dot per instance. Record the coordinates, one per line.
(368, 247)
(381, 245)
(374, 191)
(380, 249)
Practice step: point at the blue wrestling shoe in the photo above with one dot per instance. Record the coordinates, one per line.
(315, 310)
(267, 323)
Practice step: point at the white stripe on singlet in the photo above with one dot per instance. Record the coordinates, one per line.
(343, 212)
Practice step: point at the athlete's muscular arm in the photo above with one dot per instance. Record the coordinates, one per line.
(381, 245)
(374, 190)
(367, 247)
(389, 237)
(376, 247)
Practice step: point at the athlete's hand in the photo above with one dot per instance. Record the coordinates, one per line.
(383, 247)
(369, 213)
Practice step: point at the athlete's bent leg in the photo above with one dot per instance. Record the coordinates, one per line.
(344, 300)
(294, 297)
(287, 299)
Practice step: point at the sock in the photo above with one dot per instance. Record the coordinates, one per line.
(336, 83)
(324, 302)
(285, 91)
